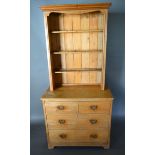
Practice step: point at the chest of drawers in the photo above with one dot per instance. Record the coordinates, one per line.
(78, 117)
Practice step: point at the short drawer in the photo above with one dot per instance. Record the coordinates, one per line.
(61, 121)
(58, 136)
(88, 121)
(95, 107)
(61, 107)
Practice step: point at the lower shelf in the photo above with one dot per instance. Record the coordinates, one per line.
(77, 51)
(78, 70)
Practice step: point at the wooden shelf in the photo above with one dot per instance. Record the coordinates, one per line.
(78, 70)
(76, 31)
(79, 51)
(75, 7)
(76, 38)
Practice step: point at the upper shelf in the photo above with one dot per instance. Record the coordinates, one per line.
(76, 51)
(76, 31)
(75, 6)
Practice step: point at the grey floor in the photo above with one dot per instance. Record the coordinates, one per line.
(39, 144)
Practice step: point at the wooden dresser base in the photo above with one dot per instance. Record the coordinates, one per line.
(78, 116)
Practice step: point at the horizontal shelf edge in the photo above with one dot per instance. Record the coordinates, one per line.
(79, 51)
(78, 70)
(76, 31)
(75, 6)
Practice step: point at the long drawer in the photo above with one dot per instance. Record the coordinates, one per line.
(58, 136)
(80, 121)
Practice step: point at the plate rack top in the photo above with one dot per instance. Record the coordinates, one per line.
(75, 7)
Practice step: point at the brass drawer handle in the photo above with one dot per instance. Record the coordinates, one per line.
(60, 107)
(62, 121)
(93, 121)
(63, 136)
(93, 107)
(93, 136)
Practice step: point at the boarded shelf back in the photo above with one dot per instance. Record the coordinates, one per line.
(79, 50)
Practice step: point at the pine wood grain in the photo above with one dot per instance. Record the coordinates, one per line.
(53, 107)
(101, 107)
(85, 121)
(61, 121)
(46, 126)
(78, 135)
(76, 37)
(93, 57)
(77, 121)
(68, 20)
(77, 51)
(85, 46)
(77, 30)
(77, 46)
(105, 18)
(81, 49)
(78, 93)
(62, 47)
(78, 70)
(50, 66)
(100, 47)
(75, 7)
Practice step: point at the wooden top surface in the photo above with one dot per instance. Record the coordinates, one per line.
(78, 93)
(75, 7)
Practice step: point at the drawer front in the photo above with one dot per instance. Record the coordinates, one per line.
(80, 121)
(94, 107)
(88, 121)
(62, 121)
(61, 107)
(58, 136)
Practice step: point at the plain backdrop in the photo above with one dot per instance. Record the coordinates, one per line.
(14, 80)
(115, 80)
(115, 70)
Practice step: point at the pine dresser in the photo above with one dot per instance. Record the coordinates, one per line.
(77, 106)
